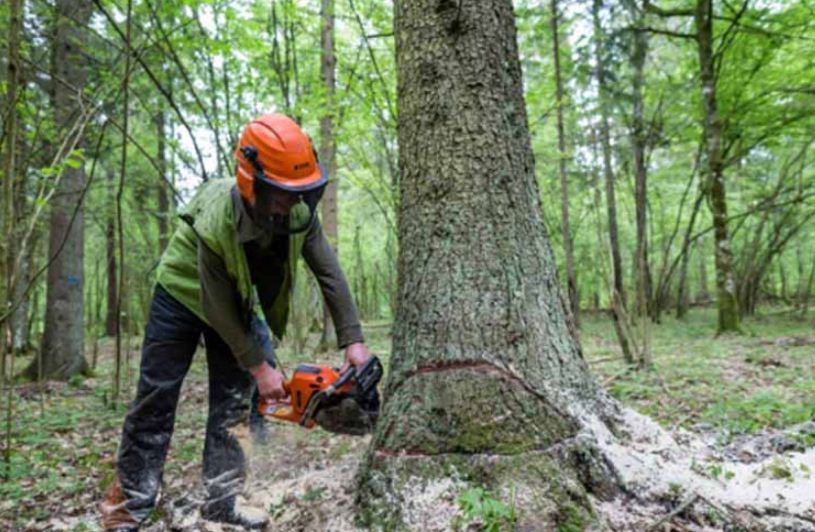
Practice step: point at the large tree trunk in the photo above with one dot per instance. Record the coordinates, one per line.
(568, 245)
(487, 384)
(62, 354)
(618, 299)
(328, 152)
(714, 172)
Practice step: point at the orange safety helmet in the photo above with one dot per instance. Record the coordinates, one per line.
(274, 150)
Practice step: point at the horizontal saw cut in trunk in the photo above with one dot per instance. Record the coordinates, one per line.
(487, 390)
(487, 386)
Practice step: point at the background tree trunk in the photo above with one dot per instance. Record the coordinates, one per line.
(703, 294)
(110, 251)
(12, 186)
(7, 211)
(714, 170)
(808, 290)
(163, 198)
(639, 142)
(328, 152)
(486, 378)
(618, 299)
(19, 320)
(683, 292)
(639, 139)
(62, 349)
(568, 244)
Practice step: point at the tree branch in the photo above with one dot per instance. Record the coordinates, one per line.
(651, 8)
(669, 33)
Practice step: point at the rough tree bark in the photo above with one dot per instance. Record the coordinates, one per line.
(714, 171)
(487, 385)
(328, 152)
(568, 244)
(63, 339)
(618, 299)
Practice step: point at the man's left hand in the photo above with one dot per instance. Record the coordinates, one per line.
(355, 354)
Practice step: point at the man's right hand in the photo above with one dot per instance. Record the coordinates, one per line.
(269, 381)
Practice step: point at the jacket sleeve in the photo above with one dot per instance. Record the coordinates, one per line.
(222, 309)
(323, 262)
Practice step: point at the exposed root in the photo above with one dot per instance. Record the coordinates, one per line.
(773, 493)
(641, 477)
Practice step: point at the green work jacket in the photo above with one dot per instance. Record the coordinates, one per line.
(206, 267)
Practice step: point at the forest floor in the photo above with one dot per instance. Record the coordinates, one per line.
(64, 435)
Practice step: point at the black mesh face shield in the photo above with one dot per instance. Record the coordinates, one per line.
(279, 208)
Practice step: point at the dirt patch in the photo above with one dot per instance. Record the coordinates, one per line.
(305, 479)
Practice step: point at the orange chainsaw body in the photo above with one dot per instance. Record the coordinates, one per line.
(307, 380)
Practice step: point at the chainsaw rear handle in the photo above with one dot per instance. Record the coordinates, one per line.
(366, 378)
(369, 375)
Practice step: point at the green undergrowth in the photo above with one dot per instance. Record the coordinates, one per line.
(64, 435)
(734, 384)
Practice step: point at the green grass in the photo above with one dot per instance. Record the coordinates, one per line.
(737, 384)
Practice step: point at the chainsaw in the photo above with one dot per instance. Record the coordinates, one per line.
(322, 394)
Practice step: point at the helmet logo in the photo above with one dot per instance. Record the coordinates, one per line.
(300, 166)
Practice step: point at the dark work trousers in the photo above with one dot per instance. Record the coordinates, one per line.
(170, 340)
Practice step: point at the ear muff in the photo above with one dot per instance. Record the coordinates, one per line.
(264, 189)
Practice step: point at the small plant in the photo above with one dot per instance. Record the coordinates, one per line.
(778, 469)
(313, 494)
(714, 471)
(805, 439)
(75, 381)
(675, 490)
(275, 510)
(480, 506)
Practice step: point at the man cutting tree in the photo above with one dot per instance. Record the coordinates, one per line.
(237, 250)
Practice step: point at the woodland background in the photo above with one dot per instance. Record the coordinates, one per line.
(674, 159)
